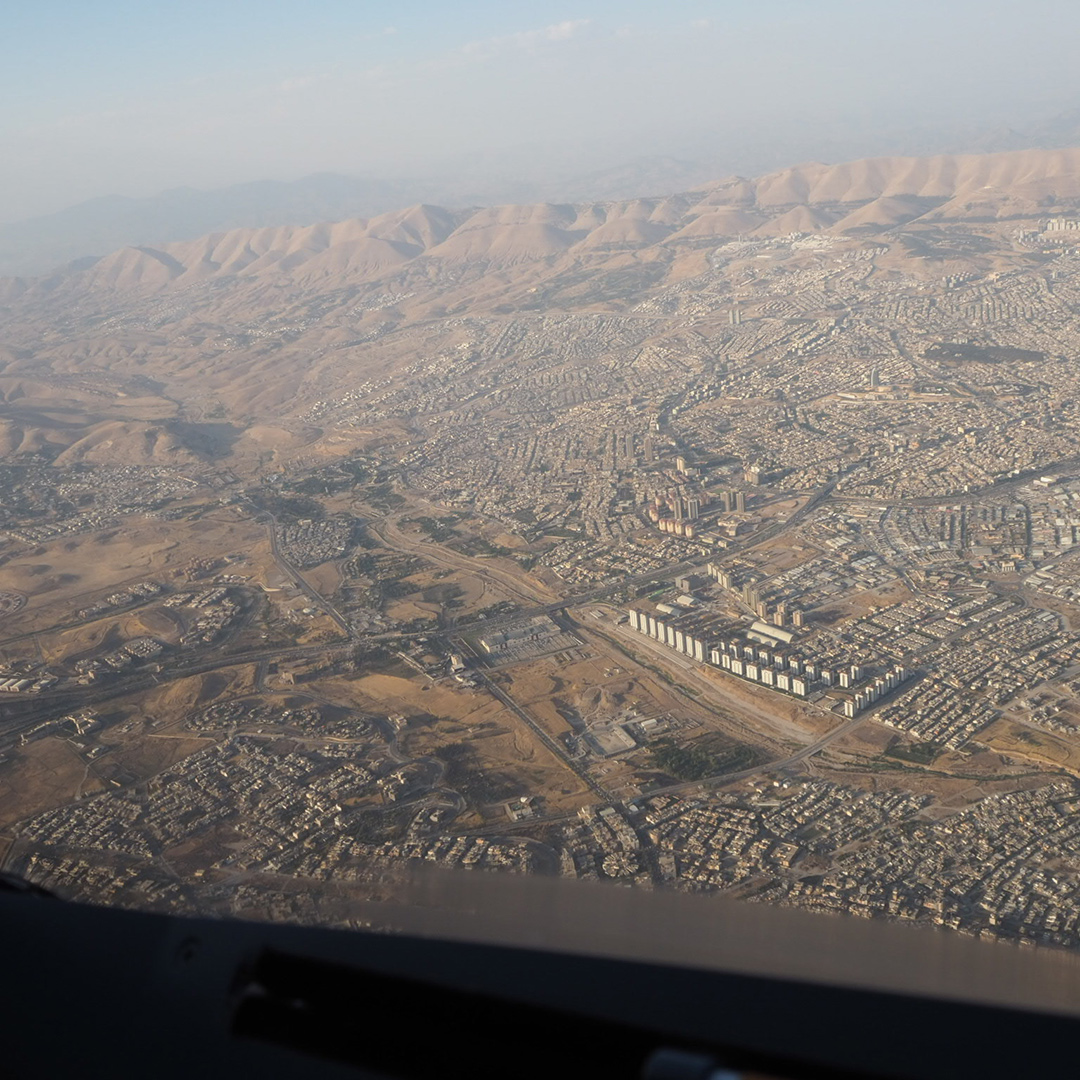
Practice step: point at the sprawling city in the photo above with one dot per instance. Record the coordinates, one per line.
(726, 542)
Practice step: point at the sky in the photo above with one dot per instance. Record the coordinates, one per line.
(133, 98)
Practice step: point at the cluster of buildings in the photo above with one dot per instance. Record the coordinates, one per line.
(139, 593)
(677, 512)
(207, 614)
(761, 656)
(935, 712)
(526, 640)
(1004, 867)
(21, 684)
(309, 543)
(259, 716)
(602, 843)
(217, 609)
(274, 799)
(720, 841)
(1000, 866)
(469, 852)
(40, 503)
(570, 445)
(1020, 532)
(66, 727)
(589, 562)
(932, 416)
(136, 651)
(121, 882)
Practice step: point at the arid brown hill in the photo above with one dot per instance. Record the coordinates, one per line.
(124, 357)
(870, 195)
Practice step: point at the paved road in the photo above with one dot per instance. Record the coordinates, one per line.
(515, 584)
(56, 705)
(747, 713)
(294, 575)
(126, 609)
(768, 766)
(553, 745)
(684, 567)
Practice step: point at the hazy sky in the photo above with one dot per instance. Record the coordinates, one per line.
(133, 96)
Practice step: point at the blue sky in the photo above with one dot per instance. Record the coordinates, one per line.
(117, 96)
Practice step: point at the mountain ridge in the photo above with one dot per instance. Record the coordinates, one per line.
(863, 195)
(40, 244)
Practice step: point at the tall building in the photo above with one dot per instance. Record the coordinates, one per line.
(680, 464)
(740, 501)
(752, 474)
(693, 508)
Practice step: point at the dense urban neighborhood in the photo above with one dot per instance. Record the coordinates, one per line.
(741, 558)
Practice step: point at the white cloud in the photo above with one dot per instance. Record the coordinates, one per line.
(374, 35)
(299, 82)
(526, 39)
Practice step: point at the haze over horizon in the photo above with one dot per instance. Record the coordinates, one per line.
(138, 100)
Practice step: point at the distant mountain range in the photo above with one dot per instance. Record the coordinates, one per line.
(98, 226)
(860, 197)
(266, 326)
(42, 244)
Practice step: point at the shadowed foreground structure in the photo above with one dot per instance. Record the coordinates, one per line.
(235, 998)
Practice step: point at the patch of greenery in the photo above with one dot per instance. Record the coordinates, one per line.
(378, 826)
(920, 753)
(383, 497)
(287, 508)
(439, 529)
(398, 590)
(478, 546)
(503, 607)
(477, 784)
(697, 762)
